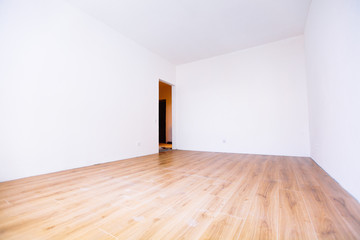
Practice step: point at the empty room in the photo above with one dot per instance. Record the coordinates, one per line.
(137, 119)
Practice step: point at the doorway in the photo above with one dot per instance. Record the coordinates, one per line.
(162, 121)
(165, 117)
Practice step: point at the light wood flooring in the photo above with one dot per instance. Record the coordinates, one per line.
(181, 195)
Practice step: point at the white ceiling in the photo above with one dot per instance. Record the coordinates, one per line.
(187, 30)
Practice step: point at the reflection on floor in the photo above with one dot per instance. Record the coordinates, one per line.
(163, 147)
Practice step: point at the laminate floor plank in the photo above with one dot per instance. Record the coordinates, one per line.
(262, 220)
(294, 221)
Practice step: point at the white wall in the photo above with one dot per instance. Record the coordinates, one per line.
(332, 38)
(251, 101)
(73, 92)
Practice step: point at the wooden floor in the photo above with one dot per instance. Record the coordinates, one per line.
(181, 195)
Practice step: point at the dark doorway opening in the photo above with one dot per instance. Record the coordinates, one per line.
(162, 121)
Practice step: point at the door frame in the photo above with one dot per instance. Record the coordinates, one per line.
(173, 112)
